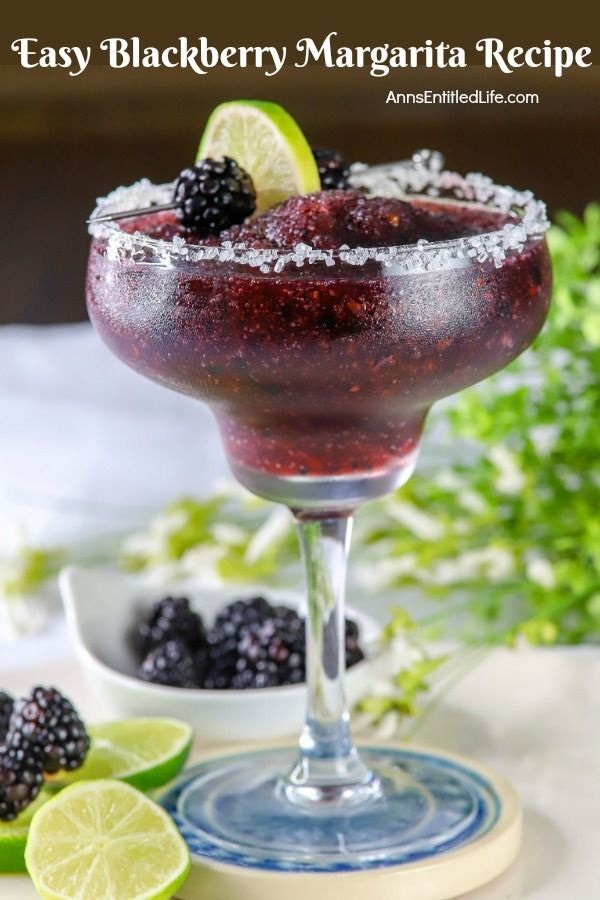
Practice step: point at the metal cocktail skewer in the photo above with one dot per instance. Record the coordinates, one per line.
(132, 213)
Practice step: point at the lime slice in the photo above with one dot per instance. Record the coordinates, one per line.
(13, 837)
(145, 753)
(101, 839)
(266, 141)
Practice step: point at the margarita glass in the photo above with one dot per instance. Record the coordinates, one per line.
(320, 367)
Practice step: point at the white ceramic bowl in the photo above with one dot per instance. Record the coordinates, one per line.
(101, 607)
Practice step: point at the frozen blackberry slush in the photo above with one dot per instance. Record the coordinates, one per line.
(320, 318)
(321, 376)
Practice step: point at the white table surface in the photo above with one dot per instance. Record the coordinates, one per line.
(87, 447)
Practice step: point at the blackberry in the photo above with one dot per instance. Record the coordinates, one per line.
(201, 665)
(172, 664)
(354, 654)
(255, 668)
(352, 630)
(169, 619)
(48, 724)
(214, 194)
(252, 644)
(270, 655)
(234, 618)
(333, 169)
(6, 708)
(221, 662)
(21, 779)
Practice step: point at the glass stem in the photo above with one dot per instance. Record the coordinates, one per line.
(329, 769)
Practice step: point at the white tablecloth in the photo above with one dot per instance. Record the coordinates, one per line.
(87, 447)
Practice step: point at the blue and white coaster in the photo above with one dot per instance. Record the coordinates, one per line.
(443, 826)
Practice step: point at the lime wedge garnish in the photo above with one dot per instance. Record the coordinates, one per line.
(266, 141)
(13, 837)
(101, 839)
(146, 753)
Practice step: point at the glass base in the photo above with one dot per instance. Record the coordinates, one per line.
(236, 810)
(335, 492)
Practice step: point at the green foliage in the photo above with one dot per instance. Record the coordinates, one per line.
(28, 570)
(228, 537)
(529, 501)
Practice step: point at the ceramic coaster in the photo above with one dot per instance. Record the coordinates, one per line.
(443, 826)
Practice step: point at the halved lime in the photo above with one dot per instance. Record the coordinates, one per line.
(13, 837)
(267, 142)
(145, 753)
(101, 839)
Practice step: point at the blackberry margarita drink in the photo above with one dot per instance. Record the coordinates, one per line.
(321, 331)
(321, 377)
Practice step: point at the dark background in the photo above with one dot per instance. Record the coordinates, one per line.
(64, 141)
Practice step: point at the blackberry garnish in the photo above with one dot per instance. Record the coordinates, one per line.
(170, 619)
(48, 724)
(6, 708)
(171, 664)
(333, 169)
(21, 779)
(213, 195)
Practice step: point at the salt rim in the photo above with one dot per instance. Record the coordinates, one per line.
(423, 175)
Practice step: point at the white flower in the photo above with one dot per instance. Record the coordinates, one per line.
(380, 574)
(152, 543)
(270, 532)
(226, 533)
(388, 727)
(201, 563)
(168, 522)
(540, 571)
(361, 723)
(511, 479)
(495, 563)
(422, 525)
(472, 501)
(560, 358)
(499, 563)
(543, 438)
(571, 480)
(22, 614)
(147, 545)
(162, 574)
(449, 480)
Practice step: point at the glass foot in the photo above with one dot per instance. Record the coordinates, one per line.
(236, 810)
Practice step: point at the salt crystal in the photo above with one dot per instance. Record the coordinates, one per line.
(423, 175)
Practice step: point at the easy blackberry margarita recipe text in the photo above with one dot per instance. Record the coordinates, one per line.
(200, 56)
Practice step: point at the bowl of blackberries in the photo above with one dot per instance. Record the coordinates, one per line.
(230, 663)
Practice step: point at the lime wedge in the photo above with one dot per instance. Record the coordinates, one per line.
(101, 839)
(145, 753)
(266, 141)
(13, 837)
